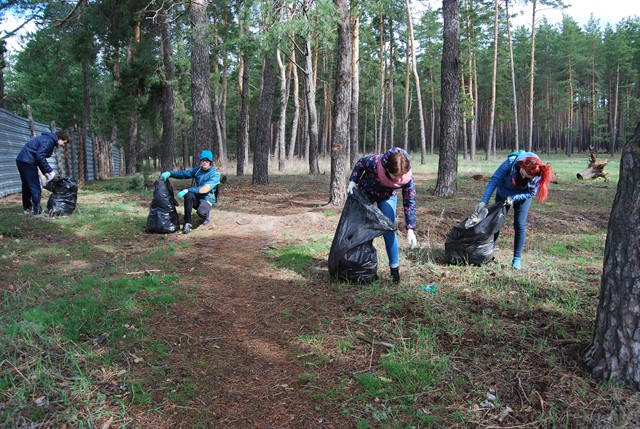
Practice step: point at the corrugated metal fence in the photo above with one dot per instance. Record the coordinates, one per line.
(16, 131)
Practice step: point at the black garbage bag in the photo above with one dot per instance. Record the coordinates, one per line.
(163, 216)
(64, 195)
(471, 241)
(352, 256)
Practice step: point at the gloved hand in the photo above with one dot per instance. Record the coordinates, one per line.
(352, 186)
(411, 239)
(479, 207)
(165, 175)
(182, 193)
(508, 201)
(50, 176)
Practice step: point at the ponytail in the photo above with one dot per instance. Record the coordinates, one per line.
(546, 174)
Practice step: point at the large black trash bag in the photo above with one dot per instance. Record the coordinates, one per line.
(163, 216)
(64, 195)
(352, 256)
(471, 241)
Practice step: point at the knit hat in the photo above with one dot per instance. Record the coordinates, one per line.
(206, 154)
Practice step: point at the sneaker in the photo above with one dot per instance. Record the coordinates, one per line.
(395, 275)
(187, 228)
(516, 263)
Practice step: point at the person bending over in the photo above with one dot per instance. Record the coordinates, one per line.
(33, 156)
(518, 179)
(380, 178)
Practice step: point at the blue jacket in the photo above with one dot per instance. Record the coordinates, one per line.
(505, 180)
(365, 175)
(37, 150)
(204, 182)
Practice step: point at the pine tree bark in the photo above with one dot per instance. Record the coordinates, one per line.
(295, 122)
(513, 79)
(416, 78)
(263, 125)
(355, 86)
(168, 143)
(200, 77)
(532, 70)
(242, 146)
(450, 111)
(86, 112)
(282, 120)
(341, 106)
(494, 74)
(310, 90)
(614, 353)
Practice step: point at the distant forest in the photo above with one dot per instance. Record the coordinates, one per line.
(165, 79)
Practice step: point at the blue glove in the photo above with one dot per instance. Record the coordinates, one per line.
(479, 207)
(182, 193)
(165, 175)
(508, 201)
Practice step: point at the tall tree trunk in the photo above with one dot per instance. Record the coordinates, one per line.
(218, 97)
(495, 72)
(433, 112)
(3, 62)
(450, 117)
(168, 144)
(200, 77)
(242, 132)
(392, 108)
(380, 139)
(570, 114)
(416, 78)
(86, 111)
(131, 147)
(614, 126)
(284, 96)
(513, 78)
(614, 352)
(532, 70)
(355, 85)
(341, 107)
(295, 123)
(263, 123)
(407, 97)
(471, 86)
(310, 89)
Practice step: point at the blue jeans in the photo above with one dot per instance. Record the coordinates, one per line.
(388, 208)
(520, 213)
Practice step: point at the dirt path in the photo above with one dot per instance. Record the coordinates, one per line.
(237, 333)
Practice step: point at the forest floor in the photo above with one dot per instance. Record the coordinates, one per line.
(267, 341)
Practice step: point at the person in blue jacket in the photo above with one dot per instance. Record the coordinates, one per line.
(380, 178)
(201, 194)
(518, 179)
(33, 157)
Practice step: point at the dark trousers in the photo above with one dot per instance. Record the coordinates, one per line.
(31, 190)
(193, 201)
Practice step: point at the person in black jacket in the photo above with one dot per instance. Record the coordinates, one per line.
(32, 157)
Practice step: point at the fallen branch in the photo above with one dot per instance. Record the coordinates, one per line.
(371, 340)
(147, 272)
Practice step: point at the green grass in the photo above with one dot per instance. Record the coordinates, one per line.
(68, 290)
(484, 328)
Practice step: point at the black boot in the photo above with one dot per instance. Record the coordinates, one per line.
(395, 275)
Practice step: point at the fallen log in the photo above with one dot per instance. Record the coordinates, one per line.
(595, 168)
